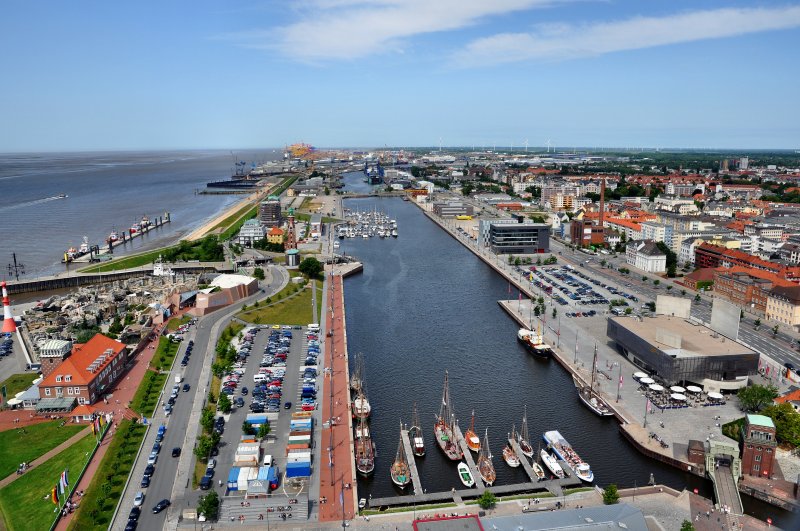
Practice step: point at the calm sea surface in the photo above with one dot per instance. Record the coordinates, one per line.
(425, 304)
(106, 191)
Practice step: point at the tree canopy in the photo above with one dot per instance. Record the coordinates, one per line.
(756, 397)
(311, 267)
(787, 422)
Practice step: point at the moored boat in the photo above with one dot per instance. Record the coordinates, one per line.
(465, 475)
(358, 370)
(538, 470)
(534, 343)
(523, 438)
(589, 396)
(551, 463)
(510, 456)
(399, 471)
(113, 236)
(566, 453)
(443, 427)
(361, 407)
(415, 434)
(364, 449)
(485, 466)
(135, 228)
(471, 438)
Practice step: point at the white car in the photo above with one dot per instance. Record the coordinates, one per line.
(212, 463)
(139, 499)
(153, 458)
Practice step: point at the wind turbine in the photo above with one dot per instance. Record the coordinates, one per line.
(548, 144)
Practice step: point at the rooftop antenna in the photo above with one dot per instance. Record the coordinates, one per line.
(548, 144)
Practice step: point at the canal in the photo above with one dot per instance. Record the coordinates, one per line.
(425, 304)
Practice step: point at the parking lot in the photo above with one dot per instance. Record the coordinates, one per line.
(274, 380)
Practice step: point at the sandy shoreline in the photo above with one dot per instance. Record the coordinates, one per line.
(206, 227)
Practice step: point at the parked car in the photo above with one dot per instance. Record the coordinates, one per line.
(138, 500)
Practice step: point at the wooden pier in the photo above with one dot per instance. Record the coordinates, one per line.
(524, 460)
(412, 464)
(468, 458)
(550, 485)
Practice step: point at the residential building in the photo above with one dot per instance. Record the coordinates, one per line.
(275, 235)
(451, 209)
(251, 231)
(516, 236)
(759, 444)
(584, 233)
(646, 256)
(88, 373)
(746, 287)
(269, 213)
(675, 204)
(783, 305)
(707, 255)
(631, 229)
(658, 232)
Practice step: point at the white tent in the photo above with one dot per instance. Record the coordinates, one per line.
(656, 387)
(677, 396)
(677, 389)
(694, 389)
(647, 381)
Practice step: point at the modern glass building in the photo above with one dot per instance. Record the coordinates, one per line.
(515, 236)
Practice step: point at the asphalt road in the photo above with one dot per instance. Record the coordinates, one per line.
(162, 482)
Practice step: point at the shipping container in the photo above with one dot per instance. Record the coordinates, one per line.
(301, 415)
(298, 470)
(290, 447)
(298, 457)
(244, 473)
(300, 433)
(263, 472)
(233, 478)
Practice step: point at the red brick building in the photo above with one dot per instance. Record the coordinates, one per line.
(88, 372)
(708, 255)
(758, 446)
(584, 233)
(745, 286)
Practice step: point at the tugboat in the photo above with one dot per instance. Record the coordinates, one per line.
(443, 428)
(472, 440)
(534, 343)
(415, 434)
(485, 466)
(399, 471)
(364, 449)
(522, 437)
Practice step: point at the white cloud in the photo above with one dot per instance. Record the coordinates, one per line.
(559, 42)
(351, 29)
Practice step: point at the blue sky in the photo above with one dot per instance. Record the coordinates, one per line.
(205, 74)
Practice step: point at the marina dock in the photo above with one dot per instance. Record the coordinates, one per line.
(468, 458)
(412, 464)
(124, 237)
(524, 460)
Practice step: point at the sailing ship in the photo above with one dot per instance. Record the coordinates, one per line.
(443, 428)
(589, 396)
(566, 453)
(364, 449)
(509, 455)
(358, 371)
(523, 439)
(400, 472)
(471, 438)
(534, 343)
(415, 434)
(465, 475)
(551, 463)
(361, 407)
(485, 466)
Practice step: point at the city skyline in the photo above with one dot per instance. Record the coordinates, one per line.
(400, 73)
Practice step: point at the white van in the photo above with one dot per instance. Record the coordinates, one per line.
(268, 460)
(259, 377)
(313, 327)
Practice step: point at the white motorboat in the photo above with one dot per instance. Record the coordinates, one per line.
(551, 463)
(465, 475)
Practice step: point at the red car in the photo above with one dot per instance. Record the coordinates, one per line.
(309, 407)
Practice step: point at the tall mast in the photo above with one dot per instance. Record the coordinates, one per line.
(594, 369)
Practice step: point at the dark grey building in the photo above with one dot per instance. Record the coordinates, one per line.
(676, 350)
(451, 209)
(269, 213)
(515, 236)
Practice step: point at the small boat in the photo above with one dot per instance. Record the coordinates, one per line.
(135, 228)
(551, 463)
(62, 196)
(71, 253)
(566, 453)
(113, 236)
(538, 470)
(358, 370)
(443, 428)
(84, 247)
(361, 407)
(472, 440)
(465, 475)
(394, 233)
(510, 456)
(534, 343)
(399, 471)
(485, 466)
(335, 245)
(523, 439)
(415, 434)
(145, 222)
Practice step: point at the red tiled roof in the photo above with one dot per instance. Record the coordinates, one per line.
(77, 364)
(625, 223)
(793, 396)
(275, 231)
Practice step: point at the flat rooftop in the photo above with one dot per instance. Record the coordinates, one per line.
(695, 339)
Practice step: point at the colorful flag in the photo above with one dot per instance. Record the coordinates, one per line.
(620, 379)
(64, 479)
(54, 495)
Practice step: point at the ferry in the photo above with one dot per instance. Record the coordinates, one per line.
(534, 343)
(551, 463)
(565, 452)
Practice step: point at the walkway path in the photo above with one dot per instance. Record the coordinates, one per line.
(337, 469)
(42, 458)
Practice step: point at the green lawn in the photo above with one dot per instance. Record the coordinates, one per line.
(18, 382)
(103, 494)
(173, 324)
(295, 310)
(167, 350)
(26, 502)
(128, 262)
(17, 447)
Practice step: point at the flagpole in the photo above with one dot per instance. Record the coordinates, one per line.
(646, 407)
(619, 385)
